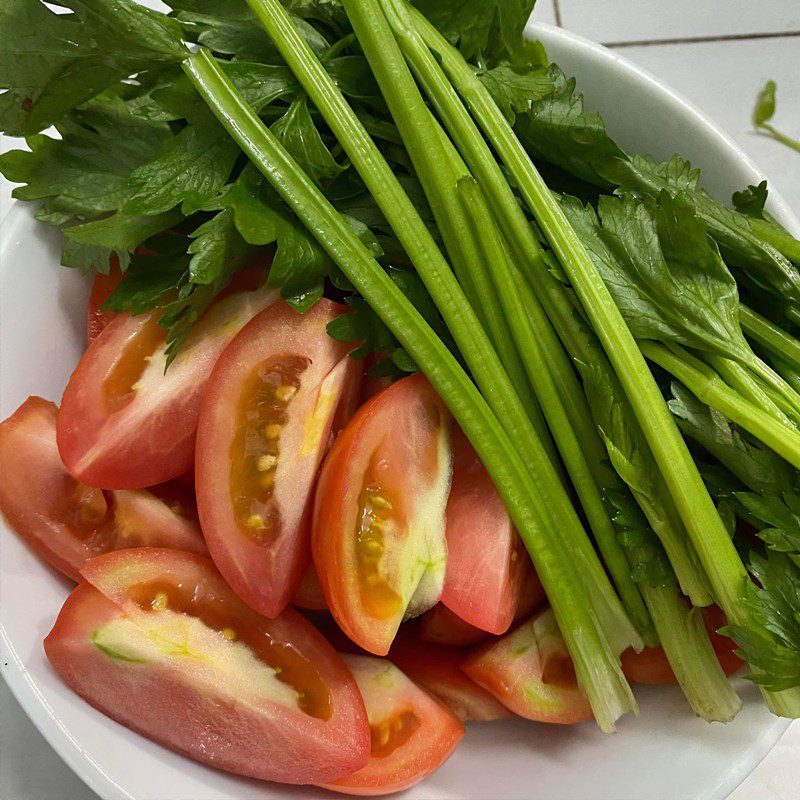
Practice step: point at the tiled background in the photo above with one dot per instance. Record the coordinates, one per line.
(718, 53)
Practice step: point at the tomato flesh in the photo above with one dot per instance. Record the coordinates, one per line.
(411, 733)
(255, 450)
(531, 672)
(378, 535)
(206, 675)
(62, 519)
(265, 424)
(218, 612)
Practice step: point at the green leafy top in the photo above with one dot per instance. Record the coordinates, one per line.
(772, 644)
(664, 272)
(51, 63)
(491, 28)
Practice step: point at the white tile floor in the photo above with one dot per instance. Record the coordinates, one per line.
(752, 41)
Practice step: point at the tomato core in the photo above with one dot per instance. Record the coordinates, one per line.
(393, 732)
(236, 623)
(374, 512)
(119, 386)
(255, 450)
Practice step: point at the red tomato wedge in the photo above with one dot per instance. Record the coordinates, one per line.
(157, 641)
(65, 521)
(102, 288)
(379, 534)
(530, 671)
(265, 425)
(412, 733)
(487, 563)
(124, 423)
(437, 669)
(651, 666)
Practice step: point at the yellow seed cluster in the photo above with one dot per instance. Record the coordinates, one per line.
(159, 602)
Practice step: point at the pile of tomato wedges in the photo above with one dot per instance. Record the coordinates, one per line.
(199, 507)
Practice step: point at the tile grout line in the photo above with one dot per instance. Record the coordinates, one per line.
(733, 37)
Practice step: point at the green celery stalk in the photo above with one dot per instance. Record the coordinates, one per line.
(772, 234)
(596, 663)
(717, 553)
(657, 505)
(770, 336)
(691, 656)
(746, 384)
(505, 207)
(496, 259)
(707, 386)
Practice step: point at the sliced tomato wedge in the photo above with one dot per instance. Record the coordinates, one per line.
(531, 672)
(437, 669)
(379, 534)
(487, 563)
(651, 666)
(62, 519)
(412, 733)
(265, 425)
(102, 288)
(157, 641)
(124, 423)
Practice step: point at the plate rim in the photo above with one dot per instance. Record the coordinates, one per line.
(33, 701)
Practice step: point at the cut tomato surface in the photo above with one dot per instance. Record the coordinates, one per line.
(487, 563)
(651, 666)
(437, 669)
(265, 426)
(103, 287)
(531, 672)
(379, 533)
(124, 422)
(412, 733)
(62, 519)
(158, 641)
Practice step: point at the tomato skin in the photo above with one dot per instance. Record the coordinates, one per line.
(34, 484)
(388, 692)
(487, 563)
(651, 667)
(437, 669)
(150, 438)
(208, 708)
(266, 575)
(64, 521)
(530, 671)
(397, 450)
(103, 287)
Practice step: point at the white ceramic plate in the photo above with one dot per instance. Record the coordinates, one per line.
(665, 754)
